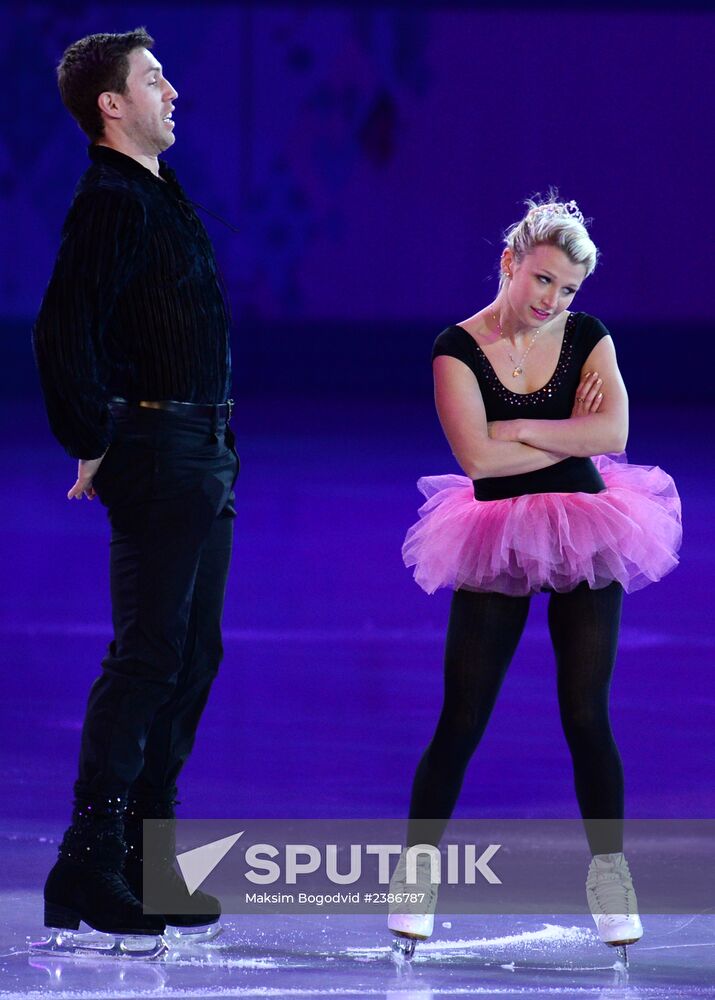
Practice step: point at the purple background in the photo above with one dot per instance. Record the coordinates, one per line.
(372, 160)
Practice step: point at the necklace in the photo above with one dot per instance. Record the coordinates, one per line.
(518, 365)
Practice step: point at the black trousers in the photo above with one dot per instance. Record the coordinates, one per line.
(167, 484)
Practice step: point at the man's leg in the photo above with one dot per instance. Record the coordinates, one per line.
(171, 737)
(154, 567)
(173, 731)
(162, 506)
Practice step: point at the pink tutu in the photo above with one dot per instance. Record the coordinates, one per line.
(629, 532)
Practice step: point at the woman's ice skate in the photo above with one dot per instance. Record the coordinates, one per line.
(412, 903)
(613, 904)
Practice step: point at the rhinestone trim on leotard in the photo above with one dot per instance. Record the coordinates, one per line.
(545, 392)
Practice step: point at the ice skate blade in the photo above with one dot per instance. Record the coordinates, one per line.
(403, 947)
(178, 936)
(621, 950)
(95, 944)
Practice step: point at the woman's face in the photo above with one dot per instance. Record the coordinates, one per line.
(542, 284)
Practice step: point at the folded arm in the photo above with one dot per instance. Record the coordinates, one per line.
(604, 429)
(461, 413)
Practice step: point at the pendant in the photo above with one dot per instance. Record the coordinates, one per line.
(517, 371)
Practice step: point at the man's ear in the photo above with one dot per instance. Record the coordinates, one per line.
(110, 104)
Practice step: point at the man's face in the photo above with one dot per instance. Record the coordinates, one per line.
(147, 105)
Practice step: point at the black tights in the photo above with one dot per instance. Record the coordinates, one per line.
(483, 633)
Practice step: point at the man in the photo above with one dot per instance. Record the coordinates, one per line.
(132, 347)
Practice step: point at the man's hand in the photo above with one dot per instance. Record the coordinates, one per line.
(86, 471)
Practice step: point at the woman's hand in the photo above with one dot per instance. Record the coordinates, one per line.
(588, 400)
(588, 395)
(605, 431)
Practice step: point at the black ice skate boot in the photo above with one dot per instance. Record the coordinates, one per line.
(87, 884)
(190, 918)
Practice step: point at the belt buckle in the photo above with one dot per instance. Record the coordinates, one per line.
(229, 404)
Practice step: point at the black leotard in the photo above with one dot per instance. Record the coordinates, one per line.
(554, 401)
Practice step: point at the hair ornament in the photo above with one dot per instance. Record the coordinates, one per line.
(567, 209)
(552, 222)
(574, 211)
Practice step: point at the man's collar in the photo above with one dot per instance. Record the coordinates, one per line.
(127, 164)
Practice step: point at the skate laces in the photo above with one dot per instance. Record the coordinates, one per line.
(175, 893)
(120, 889)
(611, 887)
(178, 886)
(423, 880)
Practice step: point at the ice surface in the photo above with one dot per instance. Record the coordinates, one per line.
(340, 956)
(315, 734)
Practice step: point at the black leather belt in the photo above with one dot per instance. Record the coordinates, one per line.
(217, 410)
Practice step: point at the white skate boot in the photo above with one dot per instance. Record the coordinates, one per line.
(612, 900)
(411, 911)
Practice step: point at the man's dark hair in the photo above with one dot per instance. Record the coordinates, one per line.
(91, 66)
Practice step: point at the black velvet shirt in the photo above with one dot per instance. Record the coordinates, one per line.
(134, 307)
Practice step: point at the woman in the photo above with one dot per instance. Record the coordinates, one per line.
(526, 392)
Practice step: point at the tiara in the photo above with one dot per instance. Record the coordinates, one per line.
(567, 209)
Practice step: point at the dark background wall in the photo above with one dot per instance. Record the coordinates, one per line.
(371, 157)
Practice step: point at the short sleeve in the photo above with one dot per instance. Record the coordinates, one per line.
(455, 342)
(591, 330)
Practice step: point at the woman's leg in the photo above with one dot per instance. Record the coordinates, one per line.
(584, 627)
(483, 633)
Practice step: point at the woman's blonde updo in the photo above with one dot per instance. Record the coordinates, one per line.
(554, 223)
